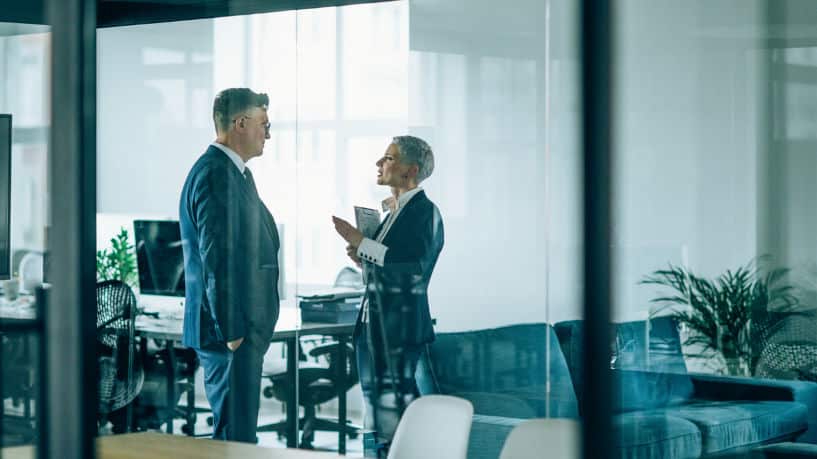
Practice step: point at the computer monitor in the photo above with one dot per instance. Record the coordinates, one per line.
(5, 196)
(159, 257)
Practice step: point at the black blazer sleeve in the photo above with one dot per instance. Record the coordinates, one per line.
(415, 251)
(218, 217)
(400, 287)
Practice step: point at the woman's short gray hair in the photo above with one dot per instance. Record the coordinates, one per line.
(414, 150)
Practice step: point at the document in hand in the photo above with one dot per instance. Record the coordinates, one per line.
(367, 220)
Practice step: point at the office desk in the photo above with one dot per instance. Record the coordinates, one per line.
(161, 446)
(287, 330)
(18, 315)
(18, 322)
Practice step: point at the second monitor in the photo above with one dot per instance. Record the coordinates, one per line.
(159, 257)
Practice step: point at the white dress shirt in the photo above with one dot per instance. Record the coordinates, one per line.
(374, 251)
(239, 163)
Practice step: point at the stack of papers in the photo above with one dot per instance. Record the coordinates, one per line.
(332, 294)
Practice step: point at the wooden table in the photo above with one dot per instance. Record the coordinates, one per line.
(160, 446)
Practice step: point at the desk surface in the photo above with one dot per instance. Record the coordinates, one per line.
(18, 311)
(170, 326)
(289, 325)
(159, 446)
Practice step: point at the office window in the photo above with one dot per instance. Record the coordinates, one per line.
(23, 67)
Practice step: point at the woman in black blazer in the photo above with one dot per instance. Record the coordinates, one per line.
(394, 324)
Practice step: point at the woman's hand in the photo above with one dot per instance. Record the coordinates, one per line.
(352, 252)
(348, 232)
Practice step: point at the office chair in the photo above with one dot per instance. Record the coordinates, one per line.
(152, 408)
(120, 376)
(317, 384)
(30, 270)
(543, 438)
(349, 277)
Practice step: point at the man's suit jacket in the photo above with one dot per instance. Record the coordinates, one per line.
(400, 287)
(230, 246)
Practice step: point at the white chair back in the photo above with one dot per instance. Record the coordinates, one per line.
(31, 271)
(433, 426)
(543, 439)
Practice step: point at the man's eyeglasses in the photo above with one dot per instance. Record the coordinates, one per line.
(266, 125)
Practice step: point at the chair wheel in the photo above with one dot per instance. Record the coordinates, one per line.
(210, 421)
(268, 392)
(186, 429)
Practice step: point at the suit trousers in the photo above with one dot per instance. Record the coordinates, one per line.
(232, 383)
(379, 400)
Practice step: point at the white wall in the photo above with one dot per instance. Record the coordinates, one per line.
(685, 138)
(686, 144)
(155, 92)
(477, 94)
(24, 81)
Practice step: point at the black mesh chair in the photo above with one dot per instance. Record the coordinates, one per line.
(120, 376)
(318, 382)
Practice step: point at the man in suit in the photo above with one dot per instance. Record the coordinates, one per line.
(394, 325)
(230, 246)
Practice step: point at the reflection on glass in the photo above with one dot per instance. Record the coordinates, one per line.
(24, 90)
(713, 272)
(374, 52)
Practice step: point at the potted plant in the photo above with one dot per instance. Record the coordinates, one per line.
(118, 261)
(731, 316)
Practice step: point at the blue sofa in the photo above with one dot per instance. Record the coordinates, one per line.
(662, 411)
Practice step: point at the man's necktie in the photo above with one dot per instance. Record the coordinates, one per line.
(250, 181)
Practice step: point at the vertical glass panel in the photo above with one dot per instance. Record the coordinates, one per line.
(494, 91)
(173, 72)
(271, 62)
(713, 247)
(24, 129)
(352, 83)
(372, 49)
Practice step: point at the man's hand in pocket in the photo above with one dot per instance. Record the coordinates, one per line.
(234, 344)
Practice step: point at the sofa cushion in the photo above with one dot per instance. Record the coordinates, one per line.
(645, 390)
(511, 362)
(638, 435)
(654, 373)
(655, 435)
(664, 353)
(571, 340)
(729, 425)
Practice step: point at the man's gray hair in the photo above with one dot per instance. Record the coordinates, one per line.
(414, 150)
(232, 102)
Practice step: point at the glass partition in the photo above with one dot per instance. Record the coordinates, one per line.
(24, 137)
(337, 83)
(713, 258)
(352, 86)
(492, 89)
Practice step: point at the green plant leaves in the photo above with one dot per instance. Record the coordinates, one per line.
(733, 314)
(118, 262)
